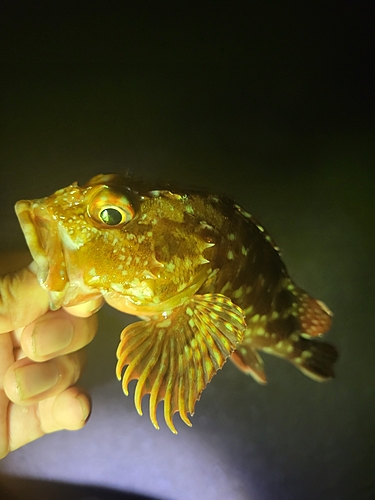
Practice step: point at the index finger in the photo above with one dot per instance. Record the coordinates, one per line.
(22, 300)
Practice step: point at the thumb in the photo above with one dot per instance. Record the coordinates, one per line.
(22, 300)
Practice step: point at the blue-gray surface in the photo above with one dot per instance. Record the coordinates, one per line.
(270, 106)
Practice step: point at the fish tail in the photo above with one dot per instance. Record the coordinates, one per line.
(314, 358)
(289, 332)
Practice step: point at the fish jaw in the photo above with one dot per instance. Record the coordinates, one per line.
(41, 234)
(54, 254)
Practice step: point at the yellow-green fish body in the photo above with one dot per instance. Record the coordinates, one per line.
(202, 273)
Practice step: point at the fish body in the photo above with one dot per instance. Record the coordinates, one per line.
(202, 273)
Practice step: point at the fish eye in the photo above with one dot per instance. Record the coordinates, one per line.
(108, 208)
(112, 216)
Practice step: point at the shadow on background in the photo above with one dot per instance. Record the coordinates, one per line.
(33, 489)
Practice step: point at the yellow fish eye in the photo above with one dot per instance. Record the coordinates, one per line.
(108, 208)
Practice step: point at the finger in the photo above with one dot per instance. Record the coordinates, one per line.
(23, 426)
(27, 382)
(6, 356)
(22, 300)
(68, 410)
(87, 308)
(4, 443)
(57, 333)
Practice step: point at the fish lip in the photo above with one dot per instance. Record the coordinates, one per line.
(25, 211)
(41, 234)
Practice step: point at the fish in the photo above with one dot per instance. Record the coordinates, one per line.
(203, 276)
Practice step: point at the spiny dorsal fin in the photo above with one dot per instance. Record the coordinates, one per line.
(174, 356)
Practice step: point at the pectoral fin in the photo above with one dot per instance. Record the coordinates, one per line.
(175, 355)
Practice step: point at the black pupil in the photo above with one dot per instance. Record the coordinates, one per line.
(111, 216)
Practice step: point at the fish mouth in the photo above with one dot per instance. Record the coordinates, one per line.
(41, 234)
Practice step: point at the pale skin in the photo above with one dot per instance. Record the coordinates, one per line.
(41, 359)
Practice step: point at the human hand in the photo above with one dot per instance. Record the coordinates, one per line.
(41, 358)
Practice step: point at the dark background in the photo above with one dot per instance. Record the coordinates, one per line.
(271, 103)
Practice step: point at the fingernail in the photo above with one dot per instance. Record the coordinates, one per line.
(35, 379)
(52, 336)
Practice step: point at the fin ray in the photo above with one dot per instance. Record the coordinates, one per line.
(175, 363)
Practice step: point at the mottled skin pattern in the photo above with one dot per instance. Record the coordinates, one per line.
(280, 317)
(203, 272)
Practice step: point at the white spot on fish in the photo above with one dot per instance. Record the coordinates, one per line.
(189, 311)
(170, 267)
(306, 354)
(243, 212)
(226, 287)
(248, 310)
(238, 293)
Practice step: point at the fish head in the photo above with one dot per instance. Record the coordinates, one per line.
(108, 238)
(72, 231)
